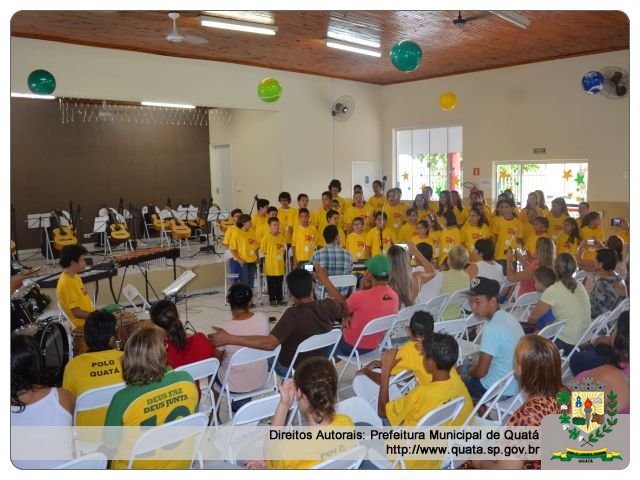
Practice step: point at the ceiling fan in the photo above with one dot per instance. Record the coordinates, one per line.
(175, 37)
(460, 21)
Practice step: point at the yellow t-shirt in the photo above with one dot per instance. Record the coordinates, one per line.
(588, 233)
(231, 231)
(555, 225)
(341, 201)
(563, 245)
(261, 232)
(320, 219)
(411, 359)
(396, 216)
(506, 232)
(376, 203)
(286, 218)
(366, 213)
(524, 218)
(325, 448)
(304, 241)
(258, 220)
(423, 213)
(72, 294)
(530, 242)
(448, 238)
(273, 248)
(417, 239)
(356, 244)
(373, 240)
(246, 244)
(470, 235)
(409, 409)
(527, 231)
(407, 232)
(434, 240)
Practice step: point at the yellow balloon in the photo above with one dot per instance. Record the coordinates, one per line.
(448, 101)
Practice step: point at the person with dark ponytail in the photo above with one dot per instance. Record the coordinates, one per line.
(182, 349)
(569, 302)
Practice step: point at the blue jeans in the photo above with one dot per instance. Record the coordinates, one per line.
(588, 359)
(344, 349)
(247, 273)
(234, 268)
(476, 389)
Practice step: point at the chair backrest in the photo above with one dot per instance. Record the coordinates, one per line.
(441, 415)
(349, 460)
(490, 398)
(455, 328)
(91, 461)
(457, 297)
(315, 342)
(246, 355)
(523, 305)
(433, 305)
(131, 293)
(404, 318)
(610, 324)
(256, 410)
(170, 433)
(587, 335)
(381, 324)
(344, 281)
(552, 330)
(202, 369)
(227, 255)
(359, 410)
(96, 398)
(580, 275)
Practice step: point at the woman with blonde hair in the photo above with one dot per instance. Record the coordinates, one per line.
(545, 256)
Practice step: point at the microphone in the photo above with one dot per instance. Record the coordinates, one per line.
(256, 198)
(384, 179)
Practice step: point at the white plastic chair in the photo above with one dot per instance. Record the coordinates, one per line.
(506, 284)
(192, 426)
(457, 297)
(368, 390)
(91, 461)
(398, 335)
(523, 305)
(435, 418)
(585, 338)
(227, 274)
(378, 325)
(205, 371)
(315, 342)
(245, 356)
(610, 324)
(490, 400)
(340, 281)
(359, 410)
(552, 330)
(580, 275)
(96, 398)
(349, 460)
(132, 294)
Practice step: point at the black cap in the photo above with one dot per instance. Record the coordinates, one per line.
(484, 286)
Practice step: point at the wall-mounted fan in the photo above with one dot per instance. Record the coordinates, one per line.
(343, 108)
(175, 37)
(616, 82)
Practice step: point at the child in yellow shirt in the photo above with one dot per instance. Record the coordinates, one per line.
(294, 220)
(320, 217)
(377, 200)
(540, 227)
(335, 187)
(231, 230)
(476, 228)
(373, 237)
(357, 241)
(244, 248)
(423, 233)
(333, 218)
(558, 214)
(591, 229)
(395, 210)
(262, 230)
(260, 218)
(569, 240)
(449, 236)
(286, 214)
(507, 230)
(359, 209)
(409, 229)
(273, 246)
(303, 240)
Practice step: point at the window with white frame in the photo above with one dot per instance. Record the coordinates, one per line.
(429, 157)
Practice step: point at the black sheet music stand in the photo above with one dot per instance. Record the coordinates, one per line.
(174, 288)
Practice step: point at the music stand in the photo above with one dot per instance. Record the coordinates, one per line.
(42, 220)
(213, 217)
(174, 288)
(100, 226)
(164, 215)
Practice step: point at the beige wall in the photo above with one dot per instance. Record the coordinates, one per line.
(507, 112)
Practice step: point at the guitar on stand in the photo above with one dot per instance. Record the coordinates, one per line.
(62, 235)
(117, 230)
(179, 229)
(198, 223)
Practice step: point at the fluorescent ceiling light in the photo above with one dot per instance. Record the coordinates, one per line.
(253, 16)
(353, 48)
(237, 25)
(170, 105)
(345, 37)
(512, 17)
(32, 95)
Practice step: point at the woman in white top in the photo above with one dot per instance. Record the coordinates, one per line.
(485, 265)
(33, 404)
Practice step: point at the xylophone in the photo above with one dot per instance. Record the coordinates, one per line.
(146, 255)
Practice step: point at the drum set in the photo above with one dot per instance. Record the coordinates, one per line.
(58, 340)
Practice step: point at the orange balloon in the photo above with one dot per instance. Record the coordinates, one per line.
(448, 101)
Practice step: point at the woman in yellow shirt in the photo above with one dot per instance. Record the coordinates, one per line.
(449, 236)
(421, 205)
(395, 210)
(315, 387)
(244, 248)
(475, 229)
(540, 228)
(591, 229)
(559, 213)
(569, 240)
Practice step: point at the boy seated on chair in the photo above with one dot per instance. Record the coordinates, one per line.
(439, 355)
(499, 338)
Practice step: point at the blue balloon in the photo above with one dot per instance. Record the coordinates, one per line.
(593, 82)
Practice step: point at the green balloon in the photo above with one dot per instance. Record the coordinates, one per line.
(41, 82)
(406, 55)
(269, 90)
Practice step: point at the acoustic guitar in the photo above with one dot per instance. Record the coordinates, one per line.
(179, 229)
(62, 235)
(156, 221)
(117, 231)
(198, 223)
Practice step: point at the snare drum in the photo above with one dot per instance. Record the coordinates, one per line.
(27, 303)
(126, 324)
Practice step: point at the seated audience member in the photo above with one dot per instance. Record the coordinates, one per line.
(569, 302)
(98, 367)
(366, 305)
(333, 258)
(439, 354)
(608, 359)
(537, 369)
(74, 300)
(242, 378)
(307, 317)
(543, 278)
(401, 280)
(484, 264)
(544, 257)
(182, 349)
(499, 338)
(315, 387)
(142, 402)
(449, 281)
(35, 404)
(610, 288)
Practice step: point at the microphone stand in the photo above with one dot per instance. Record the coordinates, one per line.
(384, 197)
(255, 201)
